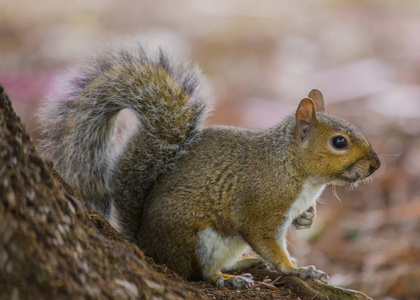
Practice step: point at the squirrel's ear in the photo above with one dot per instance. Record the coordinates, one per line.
(318, 99)
(305, 118)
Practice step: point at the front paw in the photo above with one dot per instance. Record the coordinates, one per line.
(305, 220)
(306, 272)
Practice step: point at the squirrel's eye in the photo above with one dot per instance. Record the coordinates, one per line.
(339, 142)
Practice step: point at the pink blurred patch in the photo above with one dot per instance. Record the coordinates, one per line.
(28, 87)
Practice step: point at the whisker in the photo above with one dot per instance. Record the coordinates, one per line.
(334, 190)
(322, 201)
(390, 157)
(355, 185)
(368, 180)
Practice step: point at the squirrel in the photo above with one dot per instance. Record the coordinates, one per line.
(196, 197)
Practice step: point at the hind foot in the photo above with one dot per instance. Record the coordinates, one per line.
(243, 281)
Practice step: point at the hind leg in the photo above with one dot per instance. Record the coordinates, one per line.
(217, 253)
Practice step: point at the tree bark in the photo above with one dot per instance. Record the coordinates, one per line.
(49, 246)
(52, 247)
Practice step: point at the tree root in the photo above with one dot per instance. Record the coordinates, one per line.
(308, 289)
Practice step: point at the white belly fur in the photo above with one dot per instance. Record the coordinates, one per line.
(307, 197)
(216, 252)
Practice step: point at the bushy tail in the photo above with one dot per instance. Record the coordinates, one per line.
(168, 100)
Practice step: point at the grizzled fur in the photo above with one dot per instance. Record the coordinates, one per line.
(169, 102)
(195, 199)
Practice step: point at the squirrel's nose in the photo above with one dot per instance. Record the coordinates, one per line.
(374, 165)
(372, 169)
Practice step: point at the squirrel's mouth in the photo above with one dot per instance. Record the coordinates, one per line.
(359, 171)
(353, 181)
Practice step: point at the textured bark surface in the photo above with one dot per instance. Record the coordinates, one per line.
(49, 245)
(52, 247)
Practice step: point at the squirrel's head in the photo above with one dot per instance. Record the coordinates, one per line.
(332, 149)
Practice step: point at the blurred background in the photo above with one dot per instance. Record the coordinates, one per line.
(262, 58)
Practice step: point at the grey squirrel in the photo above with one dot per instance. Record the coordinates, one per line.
(196, 198)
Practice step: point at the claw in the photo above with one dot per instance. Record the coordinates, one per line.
(247, 275)
(220, 282)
